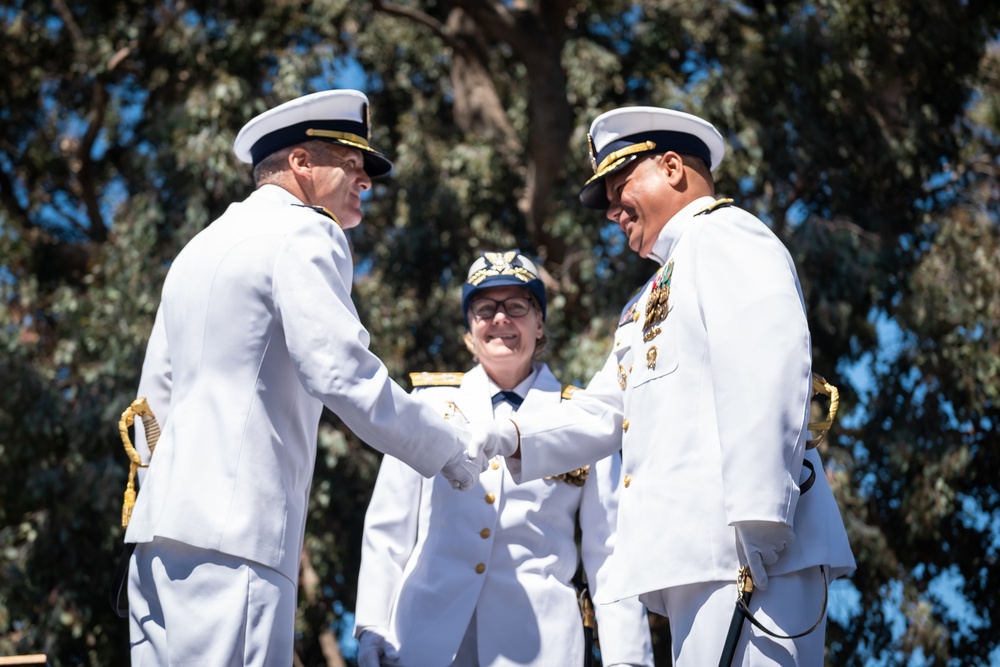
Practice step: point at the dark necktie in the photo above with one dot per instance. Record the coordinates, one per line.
(509, 396)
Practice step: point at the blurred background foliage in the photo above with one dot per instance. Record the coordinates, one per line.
(864, 132)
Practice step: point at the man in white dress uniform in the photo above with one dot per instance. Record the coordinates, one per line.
(255, 333)
(484, 579)
(707, 390)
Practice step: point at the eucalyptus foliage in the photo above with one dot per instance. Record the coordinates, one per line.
(864, 132)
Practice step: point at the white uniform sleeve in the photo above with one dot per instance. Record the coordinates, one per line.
(573, 433)
(329, 348)
(390, 535)
(622, 626)
(760, 364)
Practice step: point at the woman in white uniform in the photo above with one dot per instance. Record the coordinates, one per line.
(484, 578)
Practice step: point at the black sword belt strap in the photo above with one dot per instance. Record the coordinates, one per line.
(744, 610)
(744, 585)
(119, 605)
(810, 480)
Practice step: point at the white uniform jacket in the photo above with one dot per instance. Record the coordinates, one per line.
(712, 403)
(255, 332)
(432, 555)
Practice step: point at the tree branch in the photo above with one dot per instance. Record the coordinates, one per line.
(418, 16)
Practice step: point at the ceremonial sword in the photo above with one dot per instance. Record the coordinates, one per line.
(744, 582)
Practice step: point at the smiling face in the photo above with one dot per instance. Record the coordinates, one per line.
(505, 345)
(642, 199)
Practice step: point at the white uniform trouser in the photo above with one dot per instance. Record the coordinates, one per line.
(700, 615)
(193, 607)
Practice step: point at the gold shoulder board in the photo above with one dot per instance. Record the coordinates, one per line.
(436, 379)
(719, 203)
(568, 390)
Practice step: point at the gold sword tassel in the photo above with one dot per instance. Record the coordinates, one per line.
(141, 408)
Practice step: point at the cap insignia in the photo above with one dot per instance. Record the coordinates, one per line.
(500, 265)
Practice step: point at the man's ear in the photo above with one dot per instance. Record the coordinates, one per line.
(300, 161)
(672, 166)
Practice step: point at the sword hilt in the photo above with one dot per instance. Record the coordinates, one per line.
(139, 407)
(821, 387)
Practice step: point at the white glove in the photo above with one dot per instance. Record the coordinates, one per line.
(762, 541)
(493, 438)
(463, 469)
(373, 646)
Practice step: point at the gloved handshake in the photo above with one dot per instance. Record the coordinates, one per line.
(373, 645)
(483, 441)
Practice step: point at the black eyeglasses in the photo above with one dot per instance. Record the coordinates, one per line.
(515, 306)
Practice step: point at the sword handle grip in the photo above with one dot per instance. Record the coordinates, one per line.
(141, 408)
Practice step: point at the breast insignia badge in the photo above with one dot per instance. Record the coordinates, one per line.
(622, 377)
(657, 305)
(651, 358)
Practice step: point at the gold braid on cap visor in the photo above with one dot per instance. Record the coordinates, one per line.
(345, 137)
(615, 158)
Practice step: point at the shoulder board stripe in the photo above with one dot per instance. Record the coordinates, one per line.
(436, 379)
(568, 390)
(721, 203)
(322, 210)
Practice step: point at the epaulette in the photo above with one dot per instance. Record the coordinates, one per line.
(716, 205)
(568, 390)
(426, 379)
(322, 210)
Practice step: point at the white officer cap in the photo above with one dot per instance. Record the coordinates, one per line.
(619, 137)
(337, 116)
